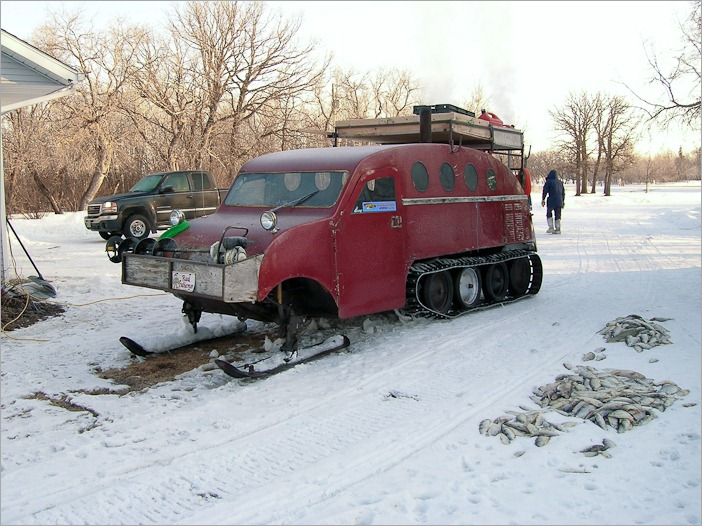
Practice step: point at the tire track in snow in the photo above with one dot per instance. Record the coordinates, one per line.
(249, 464)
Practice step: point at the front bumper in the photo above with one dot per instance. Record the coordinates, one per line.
(234, 283)
(103, 224)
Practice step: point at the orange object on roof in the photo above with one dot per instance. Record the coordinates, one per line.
(491, 118)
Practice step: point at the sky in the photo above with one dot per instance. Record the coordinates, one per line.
(528, 56)
(385, 432)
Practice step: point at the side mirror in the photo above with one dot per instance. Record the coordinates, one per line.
(168, 189)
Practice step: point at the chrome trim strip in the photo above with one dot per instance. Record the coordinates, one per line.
(448, 200)
(162, 210)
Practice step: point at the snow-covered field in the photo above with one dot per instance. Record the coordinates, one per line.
(386, 432)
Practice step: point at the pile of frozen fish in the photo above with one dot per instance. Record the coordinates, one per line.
(529, 424)
(637, 332)
(615, 398)
(611, 398)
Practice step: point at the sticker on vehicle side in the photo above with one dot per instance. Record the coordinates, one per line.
(378, 206)
(183, 281)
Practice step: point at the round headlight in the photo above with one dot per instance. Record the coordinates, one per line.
(177, 217)
(268, 220)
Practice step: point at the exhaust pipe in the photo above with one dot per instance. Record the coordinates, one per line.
(425, 125)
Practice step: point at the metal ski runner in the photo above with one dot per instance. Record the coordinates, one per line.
(138, 350)
(134, 347)
(328, 346)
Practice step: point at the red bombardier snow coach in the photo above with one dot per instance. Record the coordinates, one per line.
(428, 219)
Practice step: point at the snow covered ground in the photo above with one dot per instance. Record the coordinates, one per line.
(386, 432)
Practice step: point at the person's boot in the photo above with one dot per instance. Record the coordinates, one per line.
(550, 225)
(558, 227)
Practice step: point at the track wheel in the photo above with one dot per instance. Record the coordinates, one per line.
(466, 288)
(496, 282)
(437, 291)
(519, 277)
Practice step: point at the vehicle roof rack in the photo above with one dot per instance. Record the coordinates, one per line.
(447, 127)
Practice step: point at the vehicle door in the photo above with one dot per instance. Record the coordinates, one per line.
(370, 257)
(206, 198)
(180, 198)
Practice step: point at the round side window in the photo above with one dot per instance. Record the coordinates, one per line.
(470, 174)
(292, 180)
(491, 179)
(322, 180)
(420, 176)
(447, 177)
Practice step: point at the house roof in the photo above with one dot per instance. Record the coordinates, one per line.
(29, 76)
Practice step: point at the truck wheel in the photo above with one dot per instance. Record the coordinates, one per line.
(437, 292)
(496, 282)
(136, 226)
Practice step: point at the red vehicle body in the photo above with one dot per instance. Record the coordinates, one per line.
(350, 231)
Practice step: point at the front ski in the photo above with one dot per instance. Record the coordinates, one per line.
(335, 343)
(134, 347)
(138, 350)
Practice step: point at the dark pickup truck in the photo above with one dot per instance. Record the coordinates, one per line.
(146, 208)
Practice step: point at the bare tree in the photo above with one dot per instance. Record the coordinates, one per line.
(599, 102)
(615, 127)
(662, 167)
(680, 103)
(107, 58)
(171, 100)
(46, 165)
(477, 100)
(23, 137)
(394, 92)
(352, 94)
(226, 77)
(323, 107)
(348, 94)
(246, 60)
(540, 163)
(650, 172)
(575, 119)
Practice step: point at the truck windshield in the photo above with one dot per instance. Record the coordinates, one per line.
(147, 184)
(275, 189)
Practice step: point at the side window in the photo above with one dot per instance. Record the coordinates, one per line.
(491, 179)
(377, 195)
(447, 177)
(470, 174)
(179, 182)
(201, 181)
(420, 176)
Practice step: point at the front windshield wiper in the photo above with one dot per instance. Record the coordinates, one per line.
(296, 202)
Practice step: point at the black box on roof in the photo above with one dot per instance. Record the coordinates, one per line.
(442, 108)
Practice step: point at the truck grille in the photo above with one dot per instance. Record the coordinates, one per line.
(93, 210)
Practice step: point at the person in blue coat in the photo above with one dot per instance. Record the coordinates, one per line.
(553, 197)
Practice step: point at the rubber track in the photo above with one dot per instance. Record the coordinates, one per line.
(422, 268)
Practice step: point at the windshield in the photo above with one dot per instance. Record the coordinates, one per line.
(270, 190)
(147, 184)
